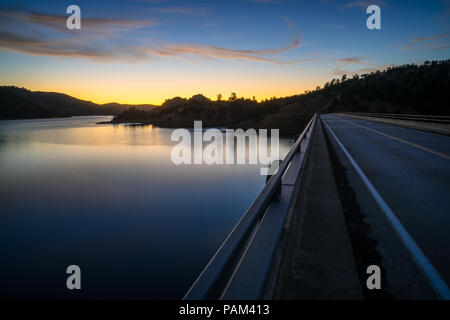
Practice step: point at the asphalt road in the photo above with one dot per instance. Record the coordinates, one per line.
(411, 172)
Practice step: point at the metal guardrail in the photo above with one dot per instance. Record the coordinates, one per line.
(410, 117)
(240, 267)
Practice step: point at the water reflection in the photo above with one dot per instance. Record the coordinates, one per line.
(108, 199)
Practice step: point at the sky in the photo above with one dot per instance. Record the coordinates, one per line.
(146, 51)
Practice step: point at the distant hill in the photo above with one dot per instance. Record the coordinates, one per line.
(409, 89)
(20, 103)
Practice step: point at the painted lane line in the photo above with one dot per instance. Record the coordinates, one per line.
(436, 153)
(430, 272)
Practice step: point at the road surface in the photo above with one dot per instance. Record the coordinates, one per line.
(410, 170)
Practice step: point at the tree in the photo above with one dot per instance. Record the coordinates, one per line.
(219, 97)
(233, 97)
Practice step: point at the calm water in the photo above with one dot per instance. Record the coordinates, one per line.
(109, 199)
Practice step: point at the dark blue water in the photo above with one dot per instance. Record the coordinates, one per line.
(108, 199)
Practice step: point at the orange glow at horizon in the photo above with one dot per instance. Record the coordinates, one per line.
(137, 98)
(141, 92)
(155, 81)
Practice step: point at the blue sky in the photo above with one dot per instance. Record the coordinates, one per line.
(143, 51)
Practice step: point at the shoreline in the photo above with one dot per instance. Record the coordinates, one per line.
(222, 126)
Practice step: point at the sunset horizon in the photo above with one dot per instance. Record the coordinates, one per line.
(145, 52)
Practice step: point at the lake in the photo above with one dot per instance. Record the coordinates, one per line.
(109, 199)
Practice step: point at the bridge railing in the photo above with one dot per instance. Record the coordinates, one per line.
(241, 266)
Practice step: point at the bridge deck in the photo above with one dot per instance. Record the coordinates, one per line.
(353, 193)
(319, 261)
(410, 170)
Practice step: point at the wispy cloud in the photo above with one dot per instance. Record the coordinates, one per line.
(426, 46)
(339, 71)
(438, 48)
(206, 51)
(435, 37)
(430, 43)
(107, 47)
(355, 65)
(352, 60)
(59, 21)
(31, 45)
(75, 48)
(84, 49)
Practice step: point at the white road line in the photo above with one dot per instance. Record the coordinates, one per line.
(432, 275)
(436, 153)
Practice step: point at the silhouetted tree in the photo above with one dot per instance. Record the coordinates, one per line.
(411, 88)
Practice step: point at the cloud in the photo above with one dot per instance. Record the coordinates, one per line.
(58, 22)
(437, 48)
(220, 52)
(84, 49)
(435, 37)
(338, 71)
(107, 47)
(77, 48)
(351, 60)
(426, 47)
(205, 52)
(429, 43)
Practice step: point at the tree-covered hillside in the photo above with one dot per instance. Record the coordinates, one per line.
(413, 89)
(421, 89)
